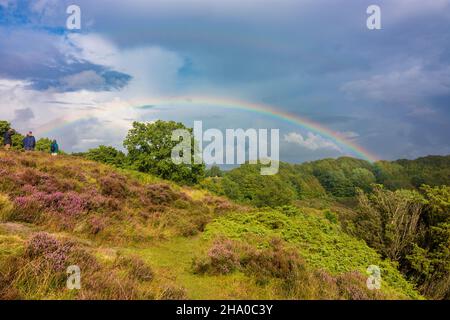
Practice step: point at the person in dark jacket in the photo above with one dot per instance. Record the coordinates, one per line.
(7, 138)
(54, 148)
(29, 143)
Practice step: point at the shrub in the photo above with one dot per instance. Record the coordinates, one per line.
(108, 155)
(96, 202)
(64, 206)
(107, 284)
(276, 261)
(114, 186)
(96, 225)
(330, 216)
(56, 253)
(137, 268)
(220, 205)
(160, 194)
(222, 258)
(6, 208)
(352, 286)
(172, 292)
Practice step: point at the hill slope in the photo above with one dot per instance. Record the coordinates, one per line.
(327, 179)
(137, 237)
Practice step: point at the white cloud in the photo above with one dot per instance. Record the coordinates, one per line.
(311, 141)
(154, 70)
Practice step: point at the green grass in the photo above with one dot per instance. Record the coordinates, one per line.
(172, 261)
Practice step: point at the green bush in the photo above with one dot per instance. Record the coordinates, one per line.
(323, 245)
(6, 208)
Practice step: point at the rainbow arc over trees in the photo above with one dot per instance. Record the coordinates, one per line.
(226, 103)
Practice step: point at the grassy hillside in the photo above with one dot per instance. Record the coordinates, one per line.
(135, 236)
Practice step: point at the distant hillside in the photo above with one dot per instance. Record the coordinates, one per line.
(135, 236)
(327, 178)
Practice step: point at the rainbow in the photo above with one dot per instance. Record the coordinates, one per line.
(226, 103)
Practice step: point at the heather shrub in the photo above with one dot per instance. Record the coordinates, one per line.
(136, 267)
(107, 284)
(222, 258)
(32, 177)
(40, 269)
(26, 209)
(114, 186)
(276, 260)
(220, 205)
(160, 194)
(96, 225)
(96, 202)
(28, 163)
(352, 286)
(42, 181)
(64, 207)
(173, 292)
(49, 250)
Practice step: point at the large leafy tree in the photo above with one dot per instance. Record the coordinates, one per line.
(17, 138)
(108, 155)
(248, 185)
(429, 261)
(150, 148)
(389, 220)
(4, 126)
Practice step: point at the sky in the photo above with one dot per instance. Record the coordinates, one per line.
(386, 91)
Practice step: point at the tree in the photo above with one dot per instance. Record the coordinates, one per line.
(362, 178)
(17, 141)
(246, 184)
(108, 155)
(429, 261)
(389, 220)
(4, 126)
(150, 148)
(214, 171)
(335, 182)
(43, 145)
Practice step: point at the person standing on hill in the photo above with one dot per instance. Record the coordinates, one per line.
(54, 148)
(29, 143)
(7, 138)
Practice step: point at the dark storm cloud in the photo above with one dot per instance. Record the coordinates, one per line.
(23, 115)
